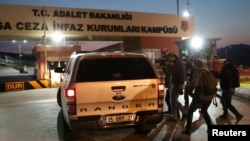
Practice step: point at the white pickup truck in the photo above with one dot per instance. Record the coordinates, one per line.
(101, 90)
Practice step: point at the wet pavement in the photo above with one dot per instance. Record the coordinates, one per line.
(8, 71)
(33, 115)
(165, 131)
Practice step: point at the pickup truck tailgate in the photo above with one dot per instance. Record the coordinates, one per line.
(116, 97)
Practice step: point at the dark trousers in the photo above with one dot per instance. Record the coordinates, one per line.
(195, 104)
(167, 99)
(175, 103)
(186, 99)
(226, 100)
(187, 92)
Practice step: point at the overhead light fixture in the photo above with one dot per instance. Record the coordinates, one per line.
(58, 37)
(187, 13)
(196, 43)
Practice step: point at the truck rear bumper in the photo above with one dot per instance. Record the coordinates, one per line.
(145, 118)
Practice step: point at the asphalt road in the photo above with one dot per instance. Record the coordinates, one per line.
(33, 115)
(8, 71)
(8, 74)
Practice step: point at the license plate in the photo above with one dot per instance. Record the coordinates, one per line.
(119, 118)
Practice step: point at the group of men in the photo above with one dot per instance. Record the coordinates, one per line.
(184, 76)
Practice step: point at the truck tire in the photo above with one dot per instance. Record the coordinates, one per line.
(64, 132)
(140, 130)
(59, 100)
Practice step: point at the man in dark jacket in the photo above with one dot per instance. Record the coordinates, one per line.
(167, 70)
(228, 82)
(177, 85)
(197, 102)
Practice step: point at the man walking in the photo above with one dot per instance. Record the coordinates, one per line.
(167, 70)
(229, 80)
(177, 85)
(199, 99)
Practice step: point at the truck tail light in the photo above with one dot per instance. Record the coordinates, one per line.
(70, 94)
(160, 95)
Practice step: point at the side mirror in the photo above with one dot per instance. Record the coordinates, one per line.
(59, 70)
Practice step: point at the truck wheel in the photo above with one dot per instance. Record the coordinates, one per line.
(142, 128)
(64, 132)
(139, 130)
(59, 100)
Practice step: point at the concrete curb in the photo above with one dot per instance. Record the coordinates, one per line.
(24, 85)
(243, 93)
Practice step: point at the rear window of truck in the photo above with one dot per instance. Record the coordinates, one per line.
(109, 69)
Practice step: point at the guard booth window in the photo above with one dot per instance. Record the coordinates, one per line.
(53, 64)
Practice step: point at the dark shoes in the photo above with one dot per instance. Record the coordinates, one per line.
(167, 113)
(187, 132)
(172, 120)
(224, 116)
(186, 107)
(183, 117)
(239, 118)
